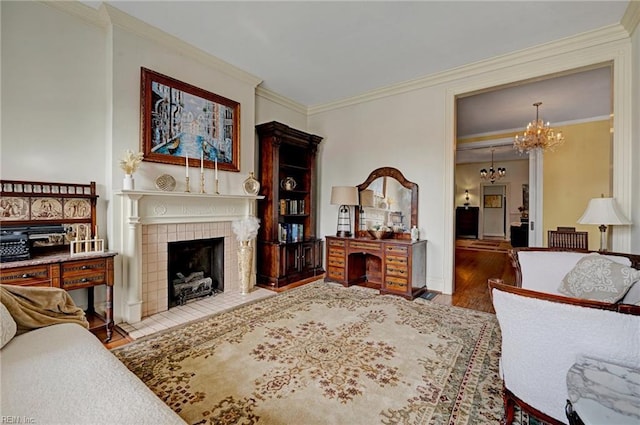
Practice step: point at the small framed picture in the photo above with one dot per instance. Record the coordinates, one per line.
(493, 201)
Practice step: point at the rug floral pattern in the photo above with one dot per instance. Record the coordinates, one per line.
(323, 354)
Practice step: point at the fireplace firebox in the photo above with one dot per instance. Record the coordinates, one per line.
(195, 269)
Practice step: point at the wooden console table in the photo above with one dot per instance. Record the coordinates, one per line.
(397, 265)
(69, 273)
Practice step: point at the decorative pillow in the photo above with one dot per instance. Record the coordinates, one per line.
(8, 326)
(595, 277)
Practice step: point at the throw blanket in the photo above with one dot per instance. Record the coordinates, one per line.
(34, 307)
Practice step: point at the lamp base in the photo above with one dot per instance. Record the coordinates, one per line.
(603, 238)
(343, 234)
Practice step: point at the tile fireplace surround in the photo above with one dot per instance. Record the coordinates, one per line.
(151, 219)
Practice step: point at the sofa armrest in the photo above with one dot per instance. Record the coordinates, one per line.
(581, 302)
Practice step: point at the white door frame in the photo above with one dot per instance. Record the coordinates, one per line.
(560, 56)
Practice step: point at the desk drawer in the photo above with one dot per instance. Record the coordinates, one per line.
(336, 261)
(396, 266)
(84, 273)
(372, 247)
(397, 249)
(27, 276)
(336, 243)
(336, 273)
(396, 284)
(336, 252)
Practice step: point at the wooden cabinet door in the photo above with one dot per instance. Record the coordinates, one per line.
(307, 256)
(292, 259)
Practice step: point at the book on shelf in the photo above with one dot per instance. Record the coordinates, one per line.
(292, 206)
(290, 232)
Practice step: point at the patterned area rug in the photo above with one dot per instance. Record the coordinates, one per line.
(325, 354)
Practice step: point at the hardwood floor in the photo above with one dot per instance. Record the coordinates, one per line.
(473, 268)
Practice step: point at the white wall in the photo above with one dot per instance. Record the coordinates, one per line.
(403, 131)
(272, 108)
(414, 131)
(53, 96)
(53, 100)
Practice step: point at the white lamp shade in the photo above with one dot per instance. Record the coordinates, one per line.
(366, 198)
(603, 211)
(344, 195)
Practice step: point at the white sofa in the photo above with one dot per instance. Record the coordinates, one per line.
(62, 374)
(544, 335)
(542, 269)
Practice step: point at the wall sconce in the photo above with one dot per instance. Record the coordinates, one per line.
(345, 196)
(466, 197)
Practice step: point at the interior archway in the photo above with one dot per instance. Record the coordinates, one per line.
(548, 68)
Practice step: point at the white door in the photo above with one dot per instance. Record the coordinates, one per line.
(494, 210)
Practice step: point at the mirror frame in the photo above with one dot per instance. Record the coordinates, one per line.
(400, 178)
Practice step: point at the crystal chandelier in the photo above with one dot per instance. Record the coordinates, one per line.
(492, 175)
(538, 135)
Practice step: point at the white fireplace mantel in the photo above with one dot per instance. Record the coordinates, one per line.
(156, 207)
(143, 207)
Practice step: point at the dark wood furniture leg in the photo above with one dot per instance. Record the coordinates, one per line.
(109, 312)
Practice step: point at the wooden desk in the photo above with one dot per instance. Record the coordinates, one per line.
(398, 266)
(69, 273)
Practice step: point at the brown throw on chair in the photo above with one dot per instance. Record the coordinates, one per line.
(34, 307)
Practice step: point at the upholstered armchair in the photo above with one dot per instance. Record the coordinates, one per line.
(544, 335)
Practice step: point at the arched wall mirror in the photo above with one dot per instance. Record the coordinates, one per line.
(388, 200)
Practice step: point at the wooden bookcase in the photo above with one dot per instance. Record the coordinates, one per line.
(288, 249)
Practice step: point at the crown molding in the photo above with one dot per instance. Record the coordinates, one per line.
(79, 10)
(631, 16)
(601, 36)
(281, 100)
(142, 29)
(108, 15)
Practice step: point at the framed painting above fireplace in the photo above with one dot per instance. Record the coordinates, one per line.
(184, 124)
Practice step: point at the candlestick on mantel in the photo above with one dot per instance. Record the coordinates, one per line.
(188, 189)
(186, 162)
(201, 161)
(217, 193)
(202, 182)
(216, 167)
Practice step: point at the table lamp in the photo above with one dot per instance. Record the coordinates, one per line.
(345, 196)
(603, 211)
(366, 200)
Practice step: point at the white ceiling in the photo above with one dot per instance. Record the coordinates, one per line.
(318, 52)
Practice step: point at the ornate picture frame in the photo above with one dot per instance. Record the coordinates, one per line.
(182, 123)
(493, 201)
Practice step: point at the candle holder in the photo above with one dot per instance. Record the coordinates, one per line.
(202, 182)
(188, 189)
(217, 193)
